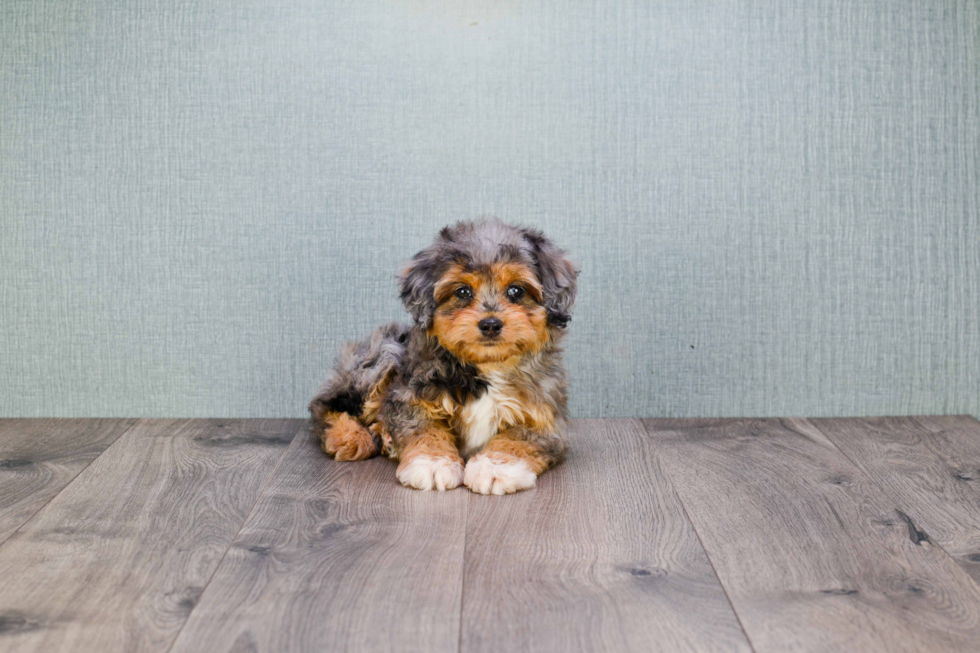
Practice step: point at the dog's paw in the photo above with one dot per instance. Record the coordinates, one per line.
(430, 472)
(346, 439)
(498, 475)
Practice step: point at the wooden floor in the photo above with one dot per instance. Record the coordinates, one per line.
(655, 535)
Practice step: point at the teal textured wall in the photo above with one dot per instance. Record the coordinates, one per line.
(775, 205)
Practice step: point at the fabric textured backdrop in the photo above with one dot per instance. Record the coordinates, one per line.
(775, 205)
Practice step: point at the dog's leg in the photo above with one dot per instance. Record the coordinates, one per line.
(430, 460)
(345, 438)
(512, 460)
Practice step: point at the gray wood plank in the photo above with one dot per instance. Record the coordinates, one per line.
(118, 559)
(337, 556)
(39, 457)
(930, 466)
(812, 553)
(599, 557)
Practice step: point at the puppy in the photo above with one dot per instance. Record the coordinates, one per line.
(477, 379)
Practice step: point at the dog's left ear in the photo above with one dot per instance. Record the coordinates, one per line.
(417, 286)
(557, 275)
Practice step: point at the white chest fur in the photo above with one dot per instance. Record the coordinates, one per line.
(497, 408)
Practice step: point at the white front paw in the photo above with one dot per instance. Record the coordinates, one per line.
(485, 475)
(430, 473)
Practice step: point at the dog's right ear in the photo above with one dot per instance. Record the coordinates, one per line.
(417, 285)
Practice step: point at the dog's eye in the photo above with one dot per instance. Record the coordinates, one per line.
(514, 293)
(464, 292)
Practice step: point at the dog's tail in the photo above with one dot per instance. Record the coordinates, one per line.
(338, 411)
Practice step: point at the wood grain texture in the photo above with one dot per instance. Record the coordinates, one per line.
(599, 557)
(812, 553)
(337, 557)
(39, 457)
(930, 466)
(118, 559)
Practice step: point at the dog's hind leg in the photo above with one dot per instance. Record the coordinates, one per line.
(349, 400)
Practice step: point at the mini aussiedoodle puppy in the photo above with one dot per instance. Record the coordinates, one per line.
(477, 377)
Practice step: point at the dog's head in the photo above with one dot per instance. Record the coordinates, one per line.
(489, 291)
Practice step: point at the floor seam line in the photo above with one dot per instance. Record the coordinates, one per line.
(724, 590)
(231, 542)
(119, 437)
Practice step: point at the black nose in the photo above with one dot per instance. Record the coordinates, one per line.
(490, 326)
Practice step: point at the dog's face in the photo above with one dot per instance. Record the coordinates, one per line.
(491, 313)
(488, 291)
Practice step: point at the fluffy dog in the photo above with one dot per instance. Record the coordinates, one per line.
(477, 377)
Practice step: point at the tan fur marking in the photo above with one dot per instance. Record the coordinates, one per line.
(441, 410)
(433, 443)
(344, 438)
(539, 417)
(372, 405)
(507, 273)
(452, 278)
(503, 449)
